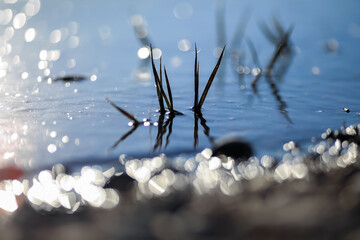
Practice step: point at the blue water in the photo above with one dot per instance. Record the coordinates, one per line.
(98, 39)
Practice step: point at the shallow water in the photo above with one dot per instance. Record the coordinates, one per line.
(42, 123)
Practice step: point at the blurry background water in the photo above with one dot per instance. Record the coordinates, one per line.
(43, 122)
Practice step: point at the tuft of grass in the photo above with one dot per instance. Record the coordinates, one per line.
(160, 90)
(197, 108)
(125, 113)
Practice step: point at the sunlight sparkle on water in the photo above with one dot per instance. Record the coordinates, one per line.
(30, 34)
(55, 36)
(8, 201)
(52, 148)
(176, 61)
(9, 33)
(47, 72)
(71, 63)
(53, 55)
(5, 16)
(143, 52)
(93, 78)
(42, 65)
(32, 7)
(24, 75)
(53, 134)
(74, 41)
(19, 20)
(156, 53)
(184, 45)
(43, 55)
(183, 10)
(65, 139)
(315, 70)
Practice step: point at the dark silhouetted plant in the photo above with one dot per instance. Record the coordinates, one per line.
(160, 90)
(125, 113)
(197, 105)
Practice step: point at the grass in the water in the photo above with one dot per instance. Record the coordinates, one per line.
(167, 126)
(125, 113)
(197, 106)
(160, 90)
(157, 84)
(196, 80)
(134, 121)
(171, 103)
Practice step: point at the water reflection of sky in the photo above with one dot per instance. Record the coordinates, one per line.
(44, 123)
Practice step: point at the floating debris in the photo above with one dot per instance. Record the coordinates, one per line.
(68, 78)
(346, 110)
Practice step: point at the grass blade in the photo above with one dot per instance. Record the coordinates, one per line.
(163, 95)
(171, 107)
(160, 72)
(157, 83)
(211, 79)
(128, 115)
(162, 89)
(196, 80)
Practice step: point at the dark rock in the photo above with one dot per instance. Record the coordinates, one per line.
(232, 146)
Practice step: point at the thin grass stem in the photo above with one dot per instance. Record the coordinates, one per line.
(157, 83)
(127, 114)
(196, 80)
(171, 107)
(211, 79)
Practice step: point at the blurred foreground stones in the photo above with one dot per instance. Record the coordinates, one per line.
(301, 196)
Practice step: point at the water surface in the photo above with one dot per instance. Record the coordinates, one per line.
(42, 123)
